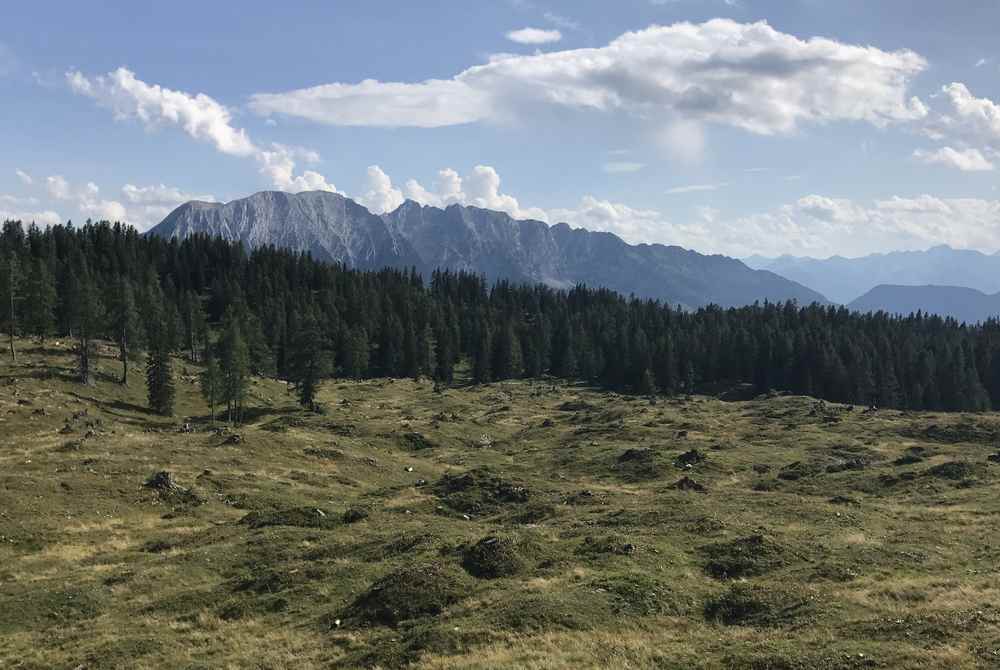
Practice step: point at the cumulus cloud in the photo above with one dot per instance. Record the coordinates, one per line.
(58, 187)
(201, 117)
(381, 196)
(44, 217)
(24, 177)
(479, 188)
(159, 194)
(968, 160)
(534, 36)
(749, 76)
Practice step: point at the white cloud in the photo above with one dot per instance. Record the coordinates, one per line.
(479, 188)
(201, 117)
(975, 118)
(981, 62)
(622, 167)
(534, 36)
(694, 188)
(24, 177)
(749, 76)
(45, 217)
(381, 196)
(159, 194)
(968, 160)
(58, 187)
(279, 165)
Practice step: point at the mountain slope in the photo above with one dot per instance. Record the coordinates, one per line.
(334, 228)
(964, 304)
(844, 279)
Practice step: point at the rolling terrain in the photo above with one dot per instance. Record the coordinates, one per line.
(964, 304)
(526, 524)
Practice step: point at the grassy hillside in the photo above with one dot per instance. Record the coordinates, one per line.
(522, 525)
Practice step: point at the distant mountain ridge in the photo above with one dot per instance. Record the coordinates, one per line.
(846, 279)
(964, 304)
(335, 228)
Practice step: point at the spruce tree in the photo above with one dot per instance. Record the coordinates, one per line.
(124, 322)
(39, 301)
(309, 363)
(235, 368)
(211, 383)
(159, 377)
(10, 293)
(86, 316)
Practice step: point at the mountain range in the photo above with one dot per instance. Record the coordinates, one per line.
(964, 304)
(334, 228)
(844, 280)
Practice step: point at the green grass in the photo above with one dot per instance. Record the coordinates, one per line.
(525, 524)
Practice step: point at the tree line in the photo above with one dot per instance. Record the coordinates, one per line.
(280, 313)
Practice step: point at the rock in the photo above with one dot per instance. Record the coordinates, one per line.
(688, 484)
(689, 458)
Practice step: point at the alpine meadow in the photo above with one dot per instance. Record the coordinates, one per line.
(292, 378)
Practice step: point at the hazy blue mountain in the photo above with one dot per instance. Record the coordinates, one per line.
(965, 304)
(844, 279)
(334, 228)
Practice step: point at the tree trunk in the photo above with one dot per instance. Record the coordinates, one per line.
(123, 347)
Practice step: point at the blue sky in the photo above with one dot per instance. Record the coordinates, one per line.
(729, 126)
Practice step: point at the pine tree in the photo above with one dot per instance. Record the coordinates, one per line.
(235, 369)
(356, 355)
(482, 364)
(10, 291)
(507, 361)
(39, 301)
(309, 363)
(211, 382)
(124, 322)
(159, 377)
(86, 317)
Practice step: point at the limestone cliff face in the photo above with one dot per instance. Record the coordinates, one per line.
(334, 228)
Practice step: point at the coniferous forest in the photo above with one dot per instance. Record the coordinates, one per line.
(278, 313)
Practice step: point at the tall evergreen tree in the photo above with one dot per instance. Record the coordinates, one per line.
(39, 301)
(309, 363)
(10, 294)
(160, 377)
(211, 383)
(124, 322)
(235, 368)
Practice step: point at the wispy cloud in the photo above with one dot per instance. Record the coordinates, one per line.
(695, 188)
(534, 36)
(621, 167)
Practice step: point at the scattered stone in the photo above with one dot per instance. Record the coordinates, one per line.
(234, 439)
(168, 490)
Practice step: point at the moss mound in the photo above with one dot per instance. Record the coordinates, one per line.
(415, 591)
(955, 470)
(755, 605)
(638, 464)
(479, 491)
(494, 556)
(743, 557)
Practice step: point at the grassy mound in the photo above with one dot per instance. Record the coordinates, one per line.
(756, 605)
(494, 556)
(742, 557)
(479, 491)
(412, 592)
(300, 517)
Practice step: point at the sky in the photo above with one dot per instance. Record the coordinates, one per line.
(739, 127)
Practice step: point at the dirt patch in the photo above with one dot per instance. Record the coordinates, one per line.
(743, 557)
(416, 591)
